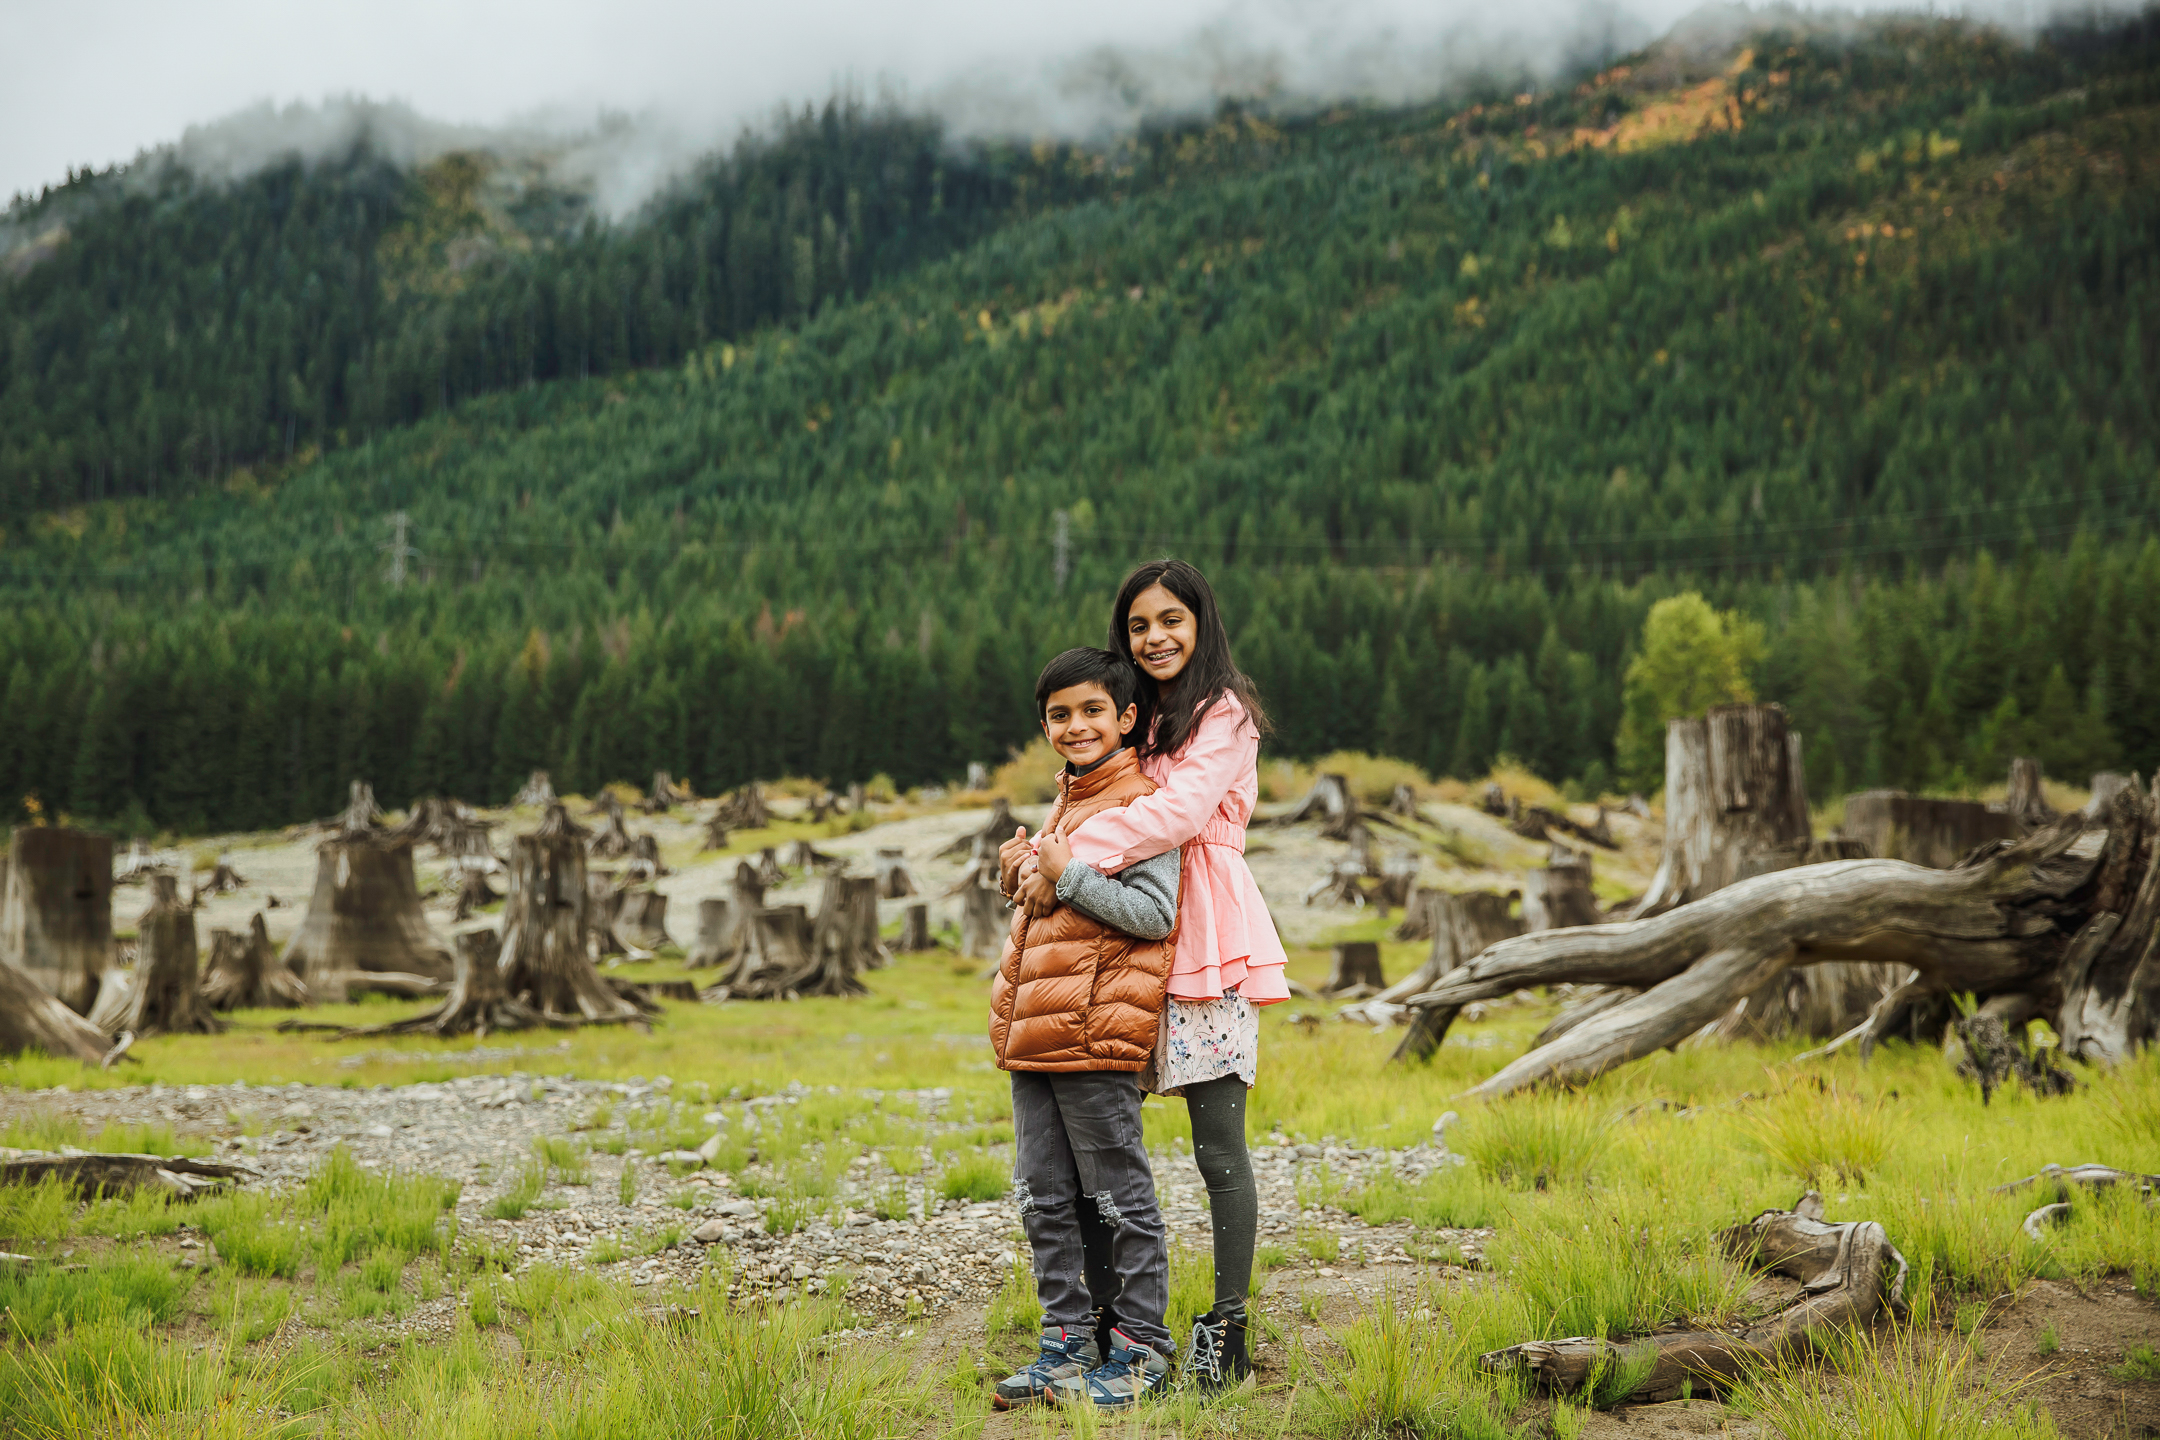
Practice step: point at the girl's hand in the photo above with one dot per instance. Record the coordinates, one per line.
(1053, 852)
(1037, 896)
(1011, 855)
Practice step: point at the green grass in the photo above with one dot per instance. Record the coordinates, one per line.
(2140, 1362)
(522, 1196)
(1822, 1135)
(1905, 1385)
(136, 1288)
(975, 1176)
(1536, 1141)
(51, 1130)
(566, 1160)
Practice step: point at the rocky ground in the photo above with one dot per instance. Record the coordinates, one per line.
(684, 1217)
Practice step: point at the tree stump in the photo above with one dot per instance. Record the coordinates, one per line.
(712, 926)
(1344, 884)
(223, 881)
(138, 864)
(995, 832)
(451, 827)
(894, 882)
(1356, 965)
(743, 810)
(1935, 833)
(167, 993)
(537, 791)
(244, 972)
(978, 775)
(364, 915)
(716, 836)
(1420, 913)
(774, 955)
(665, 794)
(823, 806)
(1559, 895)
(802, 855)
(474, 892)
(612, 840)
(1398, 873)
(545, 937)
(478, 1002)
(1402, 800)
(1329, 802)
(858, 800)
(2026, 802)
(641, 920)
(914, 930)
(644, 857)
(732, 923)
(2106, 785)
(56, 918)
(769, 872)
(844, 939)
(983, 922)
(1735, 803)
(1464, 927)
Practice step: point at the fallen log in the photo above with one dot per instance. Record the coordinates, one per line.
(33, 1019)
(1850, 1275)
(92, 1175)
(2066, 916)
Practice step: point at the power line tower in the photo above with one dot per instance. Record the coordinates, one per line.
(399, 551)
(1063, 562)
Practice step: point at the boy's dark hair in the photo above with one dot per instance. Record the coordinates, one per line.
(1085, 665)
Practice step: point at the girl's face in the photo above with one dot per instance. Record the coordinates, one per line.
(1159, 627)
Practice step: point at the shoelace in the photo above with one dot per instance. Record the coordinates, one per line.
(1207, 1352)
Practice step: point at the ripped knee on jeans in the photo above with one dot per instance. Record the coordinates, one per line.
(1024, 1197)
(1107, 1208)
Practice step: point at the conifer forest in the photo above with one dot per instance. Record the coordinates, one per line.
(435, 475)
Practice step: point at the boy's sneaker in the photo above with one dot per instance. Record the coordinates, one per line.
(1133, 1370)
(1218, 1360)
(1066, 1355)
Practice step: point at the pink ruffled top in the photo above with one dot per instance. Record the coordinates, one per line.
(1204, 795)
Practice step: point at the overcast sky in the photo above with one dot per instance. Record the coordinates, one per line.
(95, 81)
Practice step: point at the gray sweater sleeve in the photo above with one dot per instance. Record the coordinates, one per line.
(1140, 900)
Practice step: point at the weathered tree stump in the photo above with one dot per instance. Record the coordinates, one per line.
(914, 930)
(769, 872)
(802, 855)
(725, 933)
(665, 794)
(1398, 874)
(744, 810)
(223, 880)
(994, 832)
(983, 922)
(1402, 800)
(1735, 803)
(2106, 785)
(2065, 917)
(775, 955)
(244, 972)
(537, 791)
(715, 837)
(478, 1002)
(1329, 802)
(1356, 965)
(138, 864)
(475, 893)
(32, 1019)
(167, 993)
(1420, 913)
(2026, 802)
(858, 799)
(844, 940)
(1935, 833)
(1559, 895)
(823, 806)
(644, 861)
(640, 922)
(545, 956)
(56, 917)
(978, 775)
(894, 882)
(1464, 927)
(365, 915)
(612, 840)
(451, 827)
(1849, 1273)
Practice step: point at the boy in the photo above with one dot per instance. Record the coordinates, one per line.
(1073, 1017)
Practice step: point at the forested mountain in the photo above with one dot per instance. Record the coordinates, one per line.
(1854, 333)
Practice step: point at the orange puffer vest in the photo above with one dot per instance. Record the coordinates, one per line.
(1071, 993)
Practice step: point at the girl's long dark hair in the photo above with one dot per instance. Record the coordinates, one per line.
(1167, 721)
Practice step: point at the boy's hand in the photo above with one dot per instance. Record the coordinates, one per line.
(1037, 896)
(1053, 852)
(1011, 855)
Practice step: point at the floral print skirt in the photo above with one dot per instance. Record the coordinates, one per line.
(1203, 1040)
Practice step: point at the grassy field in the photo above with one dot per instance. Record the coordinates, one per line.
(1602, 1202)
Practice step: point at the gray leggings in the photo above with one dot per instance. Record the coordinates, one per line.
(1217, 1108)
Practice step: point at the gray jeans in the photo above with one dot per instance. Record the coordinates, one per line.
(1080, 1151)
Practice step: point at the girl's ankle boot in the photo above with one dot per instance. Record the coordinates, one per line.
(1219, 1359)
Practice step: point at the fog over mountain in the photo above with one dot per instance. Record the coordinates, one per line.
(617, 99)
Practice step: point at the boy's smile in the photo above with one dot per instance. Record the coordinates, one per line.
(1083, 724)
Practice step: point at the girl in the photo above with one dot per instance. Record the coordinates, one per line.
(1201, 721)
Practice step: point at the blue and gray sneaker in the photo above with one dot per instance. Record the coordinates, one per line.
(1133, 1370)
(1066, 1355)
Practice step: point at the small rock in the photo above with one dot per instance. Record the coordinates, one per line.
(800, 1271)
(692, 1158)
(1326, 1273)
(1308, 1152)
(710, 1150)
(740, 1209)
(710, 1233)
(379, 1132)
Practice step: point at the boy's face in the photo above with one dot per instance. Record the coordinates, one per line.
(1083, 723)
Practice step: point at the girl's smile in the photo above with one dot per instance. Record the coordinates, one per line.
(1159, 627)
